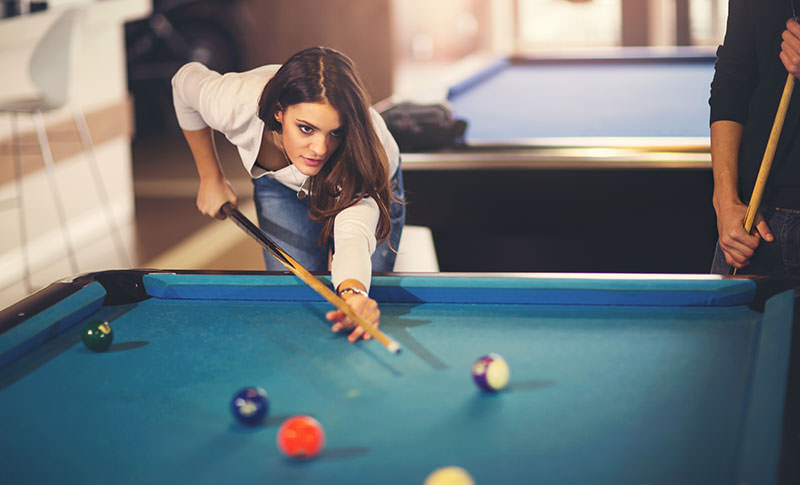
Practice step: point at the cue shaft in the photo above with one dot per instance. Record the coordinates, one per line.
(769, 156)
(298, 270)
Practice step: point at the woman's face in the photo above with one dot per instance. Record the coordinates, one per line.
(311, 133)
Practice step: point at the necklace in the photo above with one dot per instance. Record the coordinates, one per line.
(301, 191)
(301, 183)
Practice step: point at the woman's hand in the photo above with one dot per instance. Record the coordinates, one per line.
(362, 305)
(737, 245)
(790, 47)
(213, 194)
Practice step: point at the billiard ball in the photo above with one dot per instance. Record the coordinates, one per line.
(97, 335)
(491, 372)
(250, 405)
(301, 437)
(449, 475)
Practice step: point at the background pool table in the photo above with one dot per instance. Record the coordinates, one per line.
(615, 379)
(635, 99)
(588, 164)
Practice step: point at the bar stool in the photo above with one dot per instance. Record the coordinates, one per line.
(49, 70)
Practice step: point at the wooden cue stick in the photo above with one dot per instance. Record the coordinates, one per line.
(769, 155)
(292, 265)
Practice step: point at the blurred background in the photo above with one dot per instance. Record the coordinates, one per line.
(119, 74)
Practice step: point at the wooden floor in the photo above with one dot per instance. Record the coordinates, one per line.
(171, 233)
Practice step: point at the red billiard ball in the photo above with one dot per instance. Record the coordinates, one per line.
(250, 405)
(491, 372)
(301, 437)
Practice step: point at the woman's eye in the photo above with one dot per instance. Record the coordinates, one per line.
(336, 133)
(305, 129)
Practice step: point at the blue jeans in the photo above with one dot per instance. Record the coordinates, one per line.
(285, 219)
(781, 256)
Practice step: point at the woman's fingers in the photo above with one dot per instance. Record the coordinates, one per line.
(367, 308)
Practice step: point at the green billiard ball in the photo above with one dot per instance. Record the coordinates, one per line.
(97, 336)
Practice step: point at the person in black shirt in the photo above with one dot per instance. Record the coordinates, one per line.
(762, 44)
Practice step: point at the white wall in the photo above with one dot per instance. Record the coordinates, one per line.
(99, 82)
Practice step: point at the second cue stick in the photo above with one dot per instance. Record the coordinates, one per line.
(292, 265)
(769, 155)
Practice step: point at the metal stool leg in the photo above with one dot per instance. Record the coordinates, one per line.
(23, 232)
(83, 130)
(49, 167)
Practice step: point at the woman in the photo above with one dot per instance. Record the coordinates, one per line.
(325, 169)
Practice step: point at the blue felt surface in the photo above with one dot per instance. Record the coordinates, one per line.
(597, 100)
(598, 394)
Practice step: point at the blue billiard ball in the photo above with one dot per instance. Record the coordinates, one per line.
(250, 405)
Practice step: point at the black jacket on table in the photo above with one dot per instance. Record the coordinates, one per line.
(747, 86)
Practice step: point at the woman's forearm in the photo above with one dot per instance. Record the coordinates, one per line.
(204, 152)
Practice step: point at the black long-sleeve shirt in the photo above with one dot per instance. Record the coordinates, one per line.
(747, 87)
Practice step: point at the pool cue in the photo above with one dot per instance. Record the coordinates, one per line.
(292, 265)
(769, 155)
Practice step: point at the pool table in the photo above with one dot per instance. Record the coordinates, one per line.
(635, 107)
(617, 379)
(628, 99)
(587, 164)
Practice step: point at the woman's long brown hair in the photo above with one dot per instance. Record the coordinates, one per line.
(358, 168)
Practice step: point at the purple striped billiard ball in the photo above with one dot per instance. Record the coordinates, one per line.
(491, 372)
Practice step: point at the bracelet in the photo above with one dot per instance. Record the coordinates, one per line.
(352, 291)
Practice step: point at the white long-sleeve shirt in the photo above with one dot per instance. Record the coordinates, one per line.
(228, 103)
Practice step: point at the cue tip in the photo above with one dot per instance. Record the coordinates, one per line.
(393, 347)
